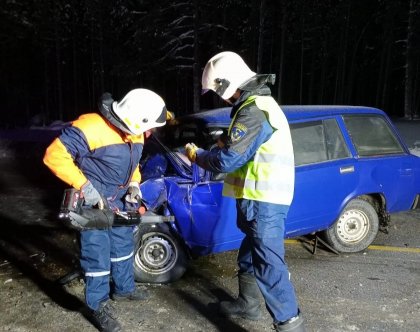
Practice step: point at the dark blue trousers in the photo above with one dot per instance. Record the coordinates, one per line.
(262, 254)
(106, 253)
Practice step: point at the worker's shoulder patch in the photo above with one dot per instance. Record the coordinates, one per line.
(238, 131)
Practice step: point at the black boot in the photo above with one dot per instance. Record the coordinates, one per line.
(104, 319)
(247, 305)
(294, 324)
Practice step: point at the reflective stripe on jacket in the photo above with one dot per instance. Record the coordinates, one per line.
(269, 176)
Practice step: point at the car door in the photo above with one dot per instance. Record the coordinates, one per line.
(213, 216)
(385, 162)
(325, 175)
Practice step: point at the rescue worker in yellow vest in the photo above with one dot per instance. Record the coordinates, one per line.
(258, 156)
(99, 154)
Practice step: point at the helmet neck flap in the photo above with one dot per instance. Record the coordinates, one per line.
(258, 81)
(105, 107)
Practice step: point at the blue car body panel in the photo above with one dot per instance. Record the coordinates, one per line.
(206, 220)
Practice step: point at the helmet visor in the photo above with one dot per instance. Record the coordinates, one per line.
(222, 85)
(162, 117)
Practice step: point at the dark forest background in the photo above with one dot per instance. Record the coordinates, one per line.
(58, 56)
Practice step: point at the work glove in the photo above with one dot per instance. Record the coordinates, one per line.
(91, 195)
(191, 151)
(170, 115)
(133, 194)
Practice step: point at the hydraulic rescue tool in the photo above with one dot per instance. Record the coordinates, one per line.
(83, 217)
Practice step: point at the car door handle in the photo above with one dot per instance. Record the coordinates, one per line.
(347, 169)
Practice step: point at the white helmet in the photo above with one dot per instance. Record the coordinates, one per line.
(225, 73)
(140, 110)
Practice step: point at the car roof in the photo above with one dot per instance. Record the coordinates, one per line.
(221, 116)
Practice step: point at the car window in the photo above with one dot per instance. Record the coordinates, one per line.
(318, 141)
(371, 135)
(176, 136)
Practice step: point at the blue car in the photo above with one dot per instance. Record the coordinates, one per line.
(352, 171)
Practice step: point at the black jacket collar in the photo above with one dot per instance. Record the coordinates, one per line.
(261, 91)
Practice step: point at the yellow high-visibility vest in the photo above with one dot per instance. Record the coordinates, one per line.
(270, 175)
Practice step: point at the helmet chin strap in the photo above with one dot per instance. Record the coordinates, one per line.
(105, 107)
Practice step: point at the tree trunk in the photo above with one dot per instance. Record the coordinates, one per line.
(46, 108)
(324, 70)
(352, 64)
(302, 50)
(342, 59)
(75, 70)
(408, 92)
(261, 37)
(92, 66)
(196, 67)
(387, 70)
(281, 55)
(58, 69)
(101, 50)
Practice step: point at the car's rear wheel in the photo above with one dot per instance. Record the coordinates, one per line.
(355, 229)
(159, 256)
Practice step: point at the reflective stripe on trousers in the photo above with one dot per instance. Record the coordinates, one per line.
(262, 253)
(105, 252)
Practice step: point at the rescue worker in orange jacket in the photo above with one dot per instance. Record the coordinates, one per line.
(99, 154)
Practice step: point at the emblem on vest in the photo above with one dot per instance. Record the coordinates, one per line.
(238, 131)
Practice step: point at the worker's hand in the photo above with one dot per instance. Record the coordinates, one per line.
(91, 195)
(133, 195)
(220, 143)
(191, 151)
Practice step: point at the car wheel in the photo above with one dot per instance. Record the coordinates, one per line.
(355, 229)
(159, 256)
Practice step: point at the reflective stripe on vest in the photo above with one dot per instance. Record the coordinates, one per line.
(269, 177)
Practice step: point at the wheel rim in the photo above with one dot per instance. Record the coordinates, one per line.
(157, 254)
(353, 226)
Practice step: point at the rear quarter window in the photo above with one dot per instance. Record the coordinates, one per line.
(372, 135)
(318, 141)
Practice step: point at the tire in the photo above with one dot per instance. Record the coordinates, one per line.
(159, 256)
(355, 229)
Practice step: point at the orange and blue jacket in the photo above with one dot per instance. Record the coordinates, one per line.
(92, 149)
